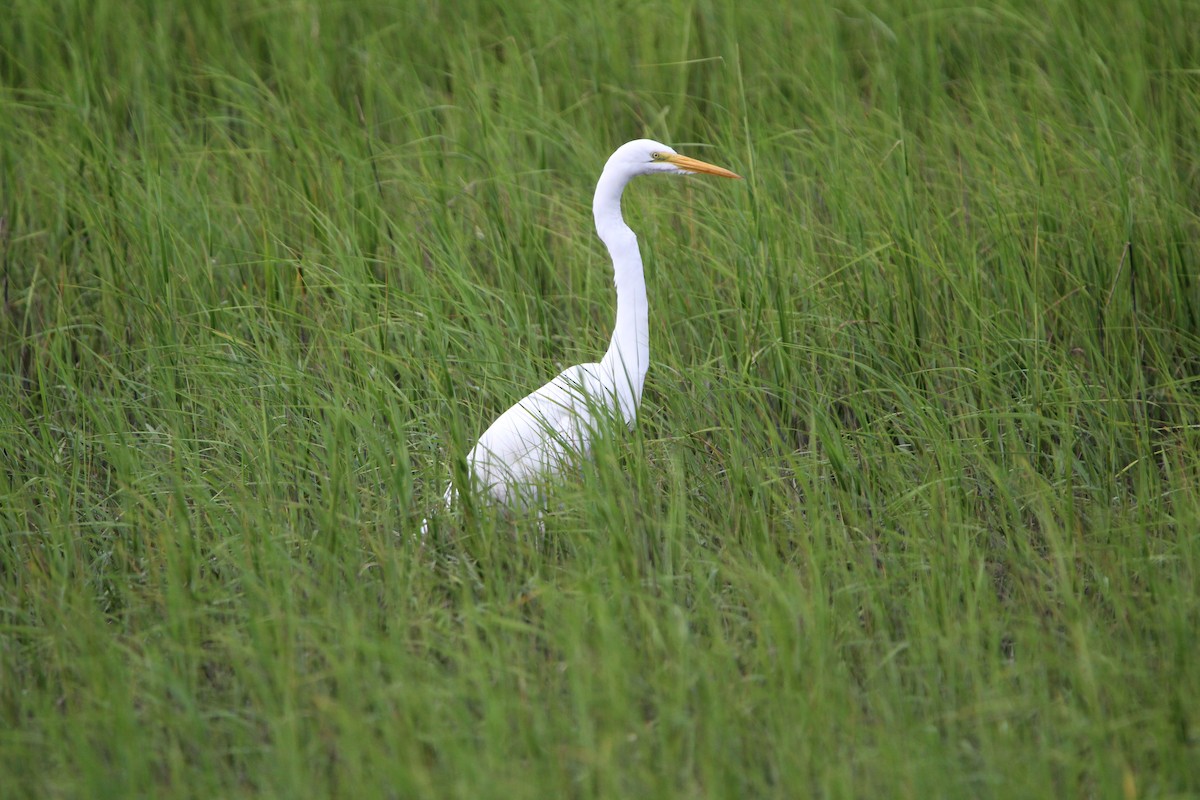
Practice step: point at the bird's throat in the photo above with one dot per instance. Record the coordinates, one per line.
(628, 356)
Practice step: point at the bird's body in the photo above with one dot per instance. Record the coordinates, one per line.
(541, 434)
(554, 426)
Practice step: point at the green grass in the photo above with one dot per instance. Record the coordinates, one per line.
(912, 508)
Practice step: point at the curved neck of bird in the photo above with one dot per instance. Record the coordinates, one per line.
(628, 356)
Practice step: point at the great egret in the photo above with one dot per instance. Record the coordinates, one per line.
(552, 426)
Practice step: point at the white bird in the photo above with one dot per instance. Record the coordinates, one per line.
(553, 426)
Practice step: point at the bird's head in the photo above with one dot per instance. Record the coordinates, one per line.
(648, 157)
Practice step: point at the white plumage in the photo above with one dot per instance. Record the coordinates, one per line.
(541, 434)
(554, 426)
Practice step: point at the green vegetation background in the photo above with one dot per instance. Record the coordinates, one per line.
(911, 509)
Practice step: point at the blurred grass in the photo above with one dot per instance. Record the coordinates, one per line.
(911, 507)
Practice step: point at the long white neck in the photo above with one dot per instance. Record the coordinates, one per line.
(628, 356)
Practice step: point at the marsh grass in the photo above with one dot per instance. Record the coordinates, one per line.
(911, 507)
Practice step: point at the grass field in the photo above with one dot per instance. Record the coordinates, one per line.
(913, 504)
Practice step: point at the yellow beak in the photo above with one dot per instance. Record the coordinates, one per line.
(693, 165)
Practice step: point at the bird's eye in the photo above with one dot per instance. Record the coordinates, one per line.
(658, 156)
